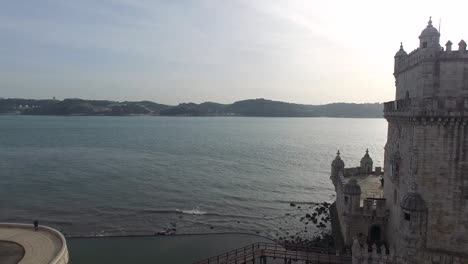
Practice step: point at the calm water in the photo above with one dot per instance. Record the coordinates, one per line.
(93, 176)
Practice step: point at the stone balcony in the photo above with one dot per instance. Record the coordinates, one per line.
(444, 107)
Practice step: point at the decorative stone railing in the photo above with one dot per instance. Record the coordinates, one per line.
(401, 105)
(428, 107)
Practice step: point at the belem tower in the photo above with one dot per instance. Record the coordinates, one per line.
(417, 211)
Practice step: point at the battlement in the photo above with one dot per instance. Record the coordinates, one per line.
(418, 56)
(373, 254)
(414, 58)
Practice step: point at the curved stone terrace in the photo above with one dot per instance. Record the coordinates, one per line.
(21, 244)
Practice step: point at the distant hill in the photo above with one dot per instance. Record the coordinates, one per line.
(79, 107)
(268, 108)
(253, 107)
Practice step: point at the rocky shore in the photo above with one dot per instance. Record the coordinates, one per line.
(311, 217)
(318, 215)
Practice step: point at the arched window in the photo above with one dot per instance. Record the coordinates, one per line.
(395, 196)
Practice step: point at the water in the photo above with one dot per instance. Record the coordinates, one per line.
(95, 176)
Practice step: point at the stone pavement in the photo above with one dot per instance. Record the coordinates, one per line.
(45, 246)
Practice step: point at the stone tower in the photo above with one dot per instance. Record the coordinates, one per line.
(426, 154)
(337, 167)
(366, 163)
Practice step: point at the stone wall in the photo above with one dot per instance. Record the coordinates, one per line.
(442, 184)
(434, 158)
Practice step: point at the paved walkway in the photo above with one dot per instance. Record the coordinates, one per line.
(40, 247)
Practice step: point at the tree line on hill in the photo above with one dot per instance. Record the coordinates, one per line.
(251, 107)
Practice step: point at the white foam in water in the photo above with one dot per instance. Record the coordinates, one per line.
(195, 211)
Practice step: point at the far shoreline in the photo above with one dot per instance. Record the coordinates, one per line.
(201, 116)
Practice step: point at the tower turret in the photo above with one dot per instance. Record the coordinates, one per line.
(462, 45)
(429, 38)
(337, 166)
(401, 53)
(366, 163)
(413, 223)
(448, 46)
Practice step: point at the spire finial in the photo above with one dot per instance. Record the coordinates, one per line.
(367, 151)
(338, 153)
(429, 23)
(401, 45)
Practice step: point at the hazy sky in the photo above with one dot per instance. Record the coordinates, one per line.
(178, 51)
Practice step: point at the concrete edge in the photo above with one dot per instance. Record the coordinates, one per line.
(63, 252)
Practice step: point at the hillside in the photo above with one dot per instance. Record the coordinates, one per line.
(268, 108)
(79, 107)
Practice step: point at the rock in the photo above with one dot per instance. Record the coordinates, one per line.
(292, 204)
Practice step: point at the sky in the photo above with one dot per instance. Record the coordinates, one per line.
(174, 51)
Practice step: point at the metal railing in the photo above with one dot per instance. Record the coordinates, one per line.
(258, 251)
